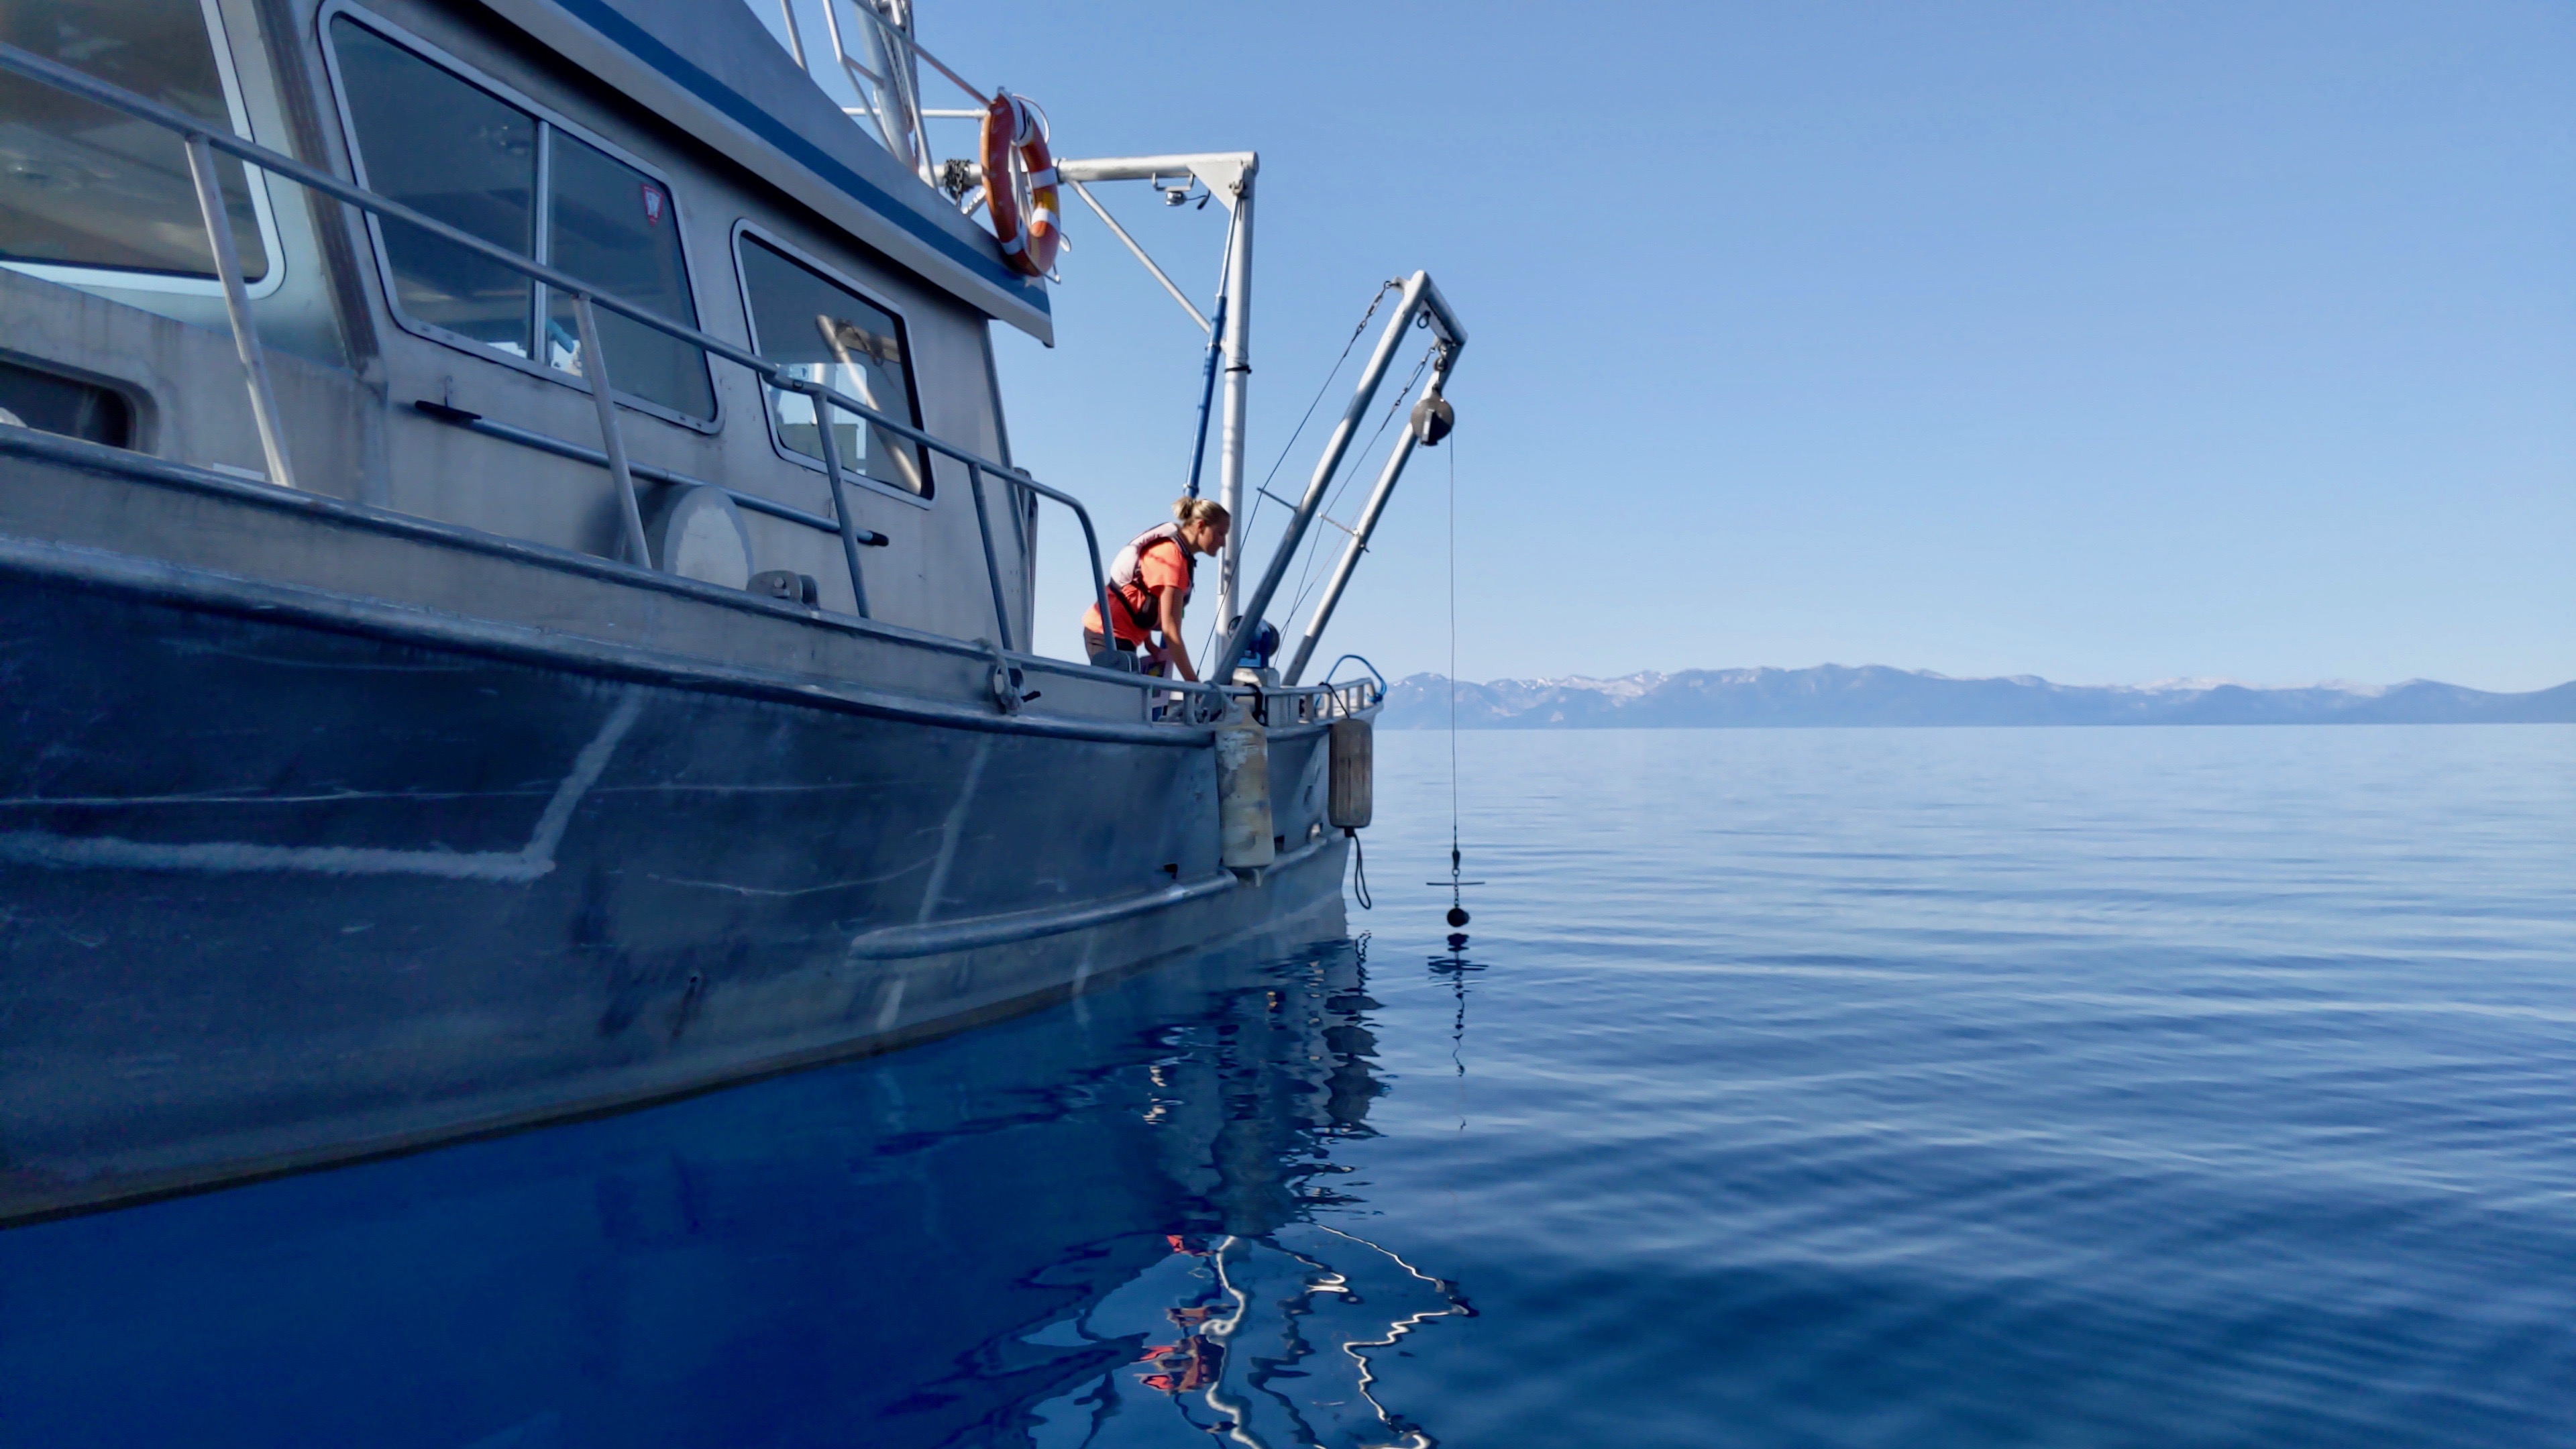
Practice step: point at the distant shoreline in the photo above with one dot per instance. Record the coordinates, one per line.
(1832, 696)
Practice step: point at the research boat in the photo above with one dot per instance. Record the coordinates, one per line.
(515, 598)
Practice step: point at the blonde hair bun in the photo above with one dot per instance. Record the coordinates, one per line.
(1199, 510)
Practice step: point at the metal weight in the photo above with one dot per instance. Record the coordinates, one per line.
(1432, 419)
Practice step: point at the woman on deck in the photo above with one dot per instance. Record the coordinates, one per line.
(1149, 586)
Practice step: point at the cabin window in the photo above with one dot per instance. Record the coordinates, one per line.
(51, 403)
(440, 146)
(84, 188)
(498, 170)
(822, 331)
(612, 224)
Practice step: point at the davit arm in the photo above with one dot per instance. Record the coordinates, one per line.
(1421, 301)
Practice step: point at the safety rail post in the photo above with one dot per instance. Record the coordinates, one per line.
(612, 439)
(254, 359)
(992, 565)
(1091, 539)
(831, 446)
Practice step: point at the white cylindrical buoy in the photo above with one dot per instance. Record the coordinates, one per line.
(1244, 840)
(1354, 775)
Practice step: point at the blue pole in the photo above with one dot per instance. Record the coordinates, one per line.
(1207, 393)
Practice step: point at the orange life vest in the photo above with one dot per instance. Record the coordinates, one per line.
(1127, 577)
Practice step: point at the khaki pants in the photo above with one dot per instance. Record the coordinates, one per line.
(1091, 642)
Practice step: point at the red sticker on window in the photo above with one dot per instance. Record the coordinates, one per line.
(653, 203)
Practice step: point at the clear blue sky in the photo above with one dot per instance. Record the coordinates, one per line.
(2105, 342)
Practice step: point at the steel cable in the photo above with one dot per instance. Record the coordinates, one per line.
(1314, 551)
(1453, 665)
(1260, 495)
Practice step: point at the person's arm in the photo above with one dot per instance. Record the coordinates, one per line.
(1170, 602)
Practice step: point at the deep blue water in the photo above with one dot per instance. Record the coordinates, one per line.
(1868, 1087)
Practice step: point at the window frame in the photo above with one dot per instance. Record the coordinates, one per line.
(237, 112)
(548, 120)
(745, 227)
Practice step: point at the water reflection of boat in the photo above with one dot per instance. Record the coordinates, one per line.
(954, 1245)
(1275, 1346)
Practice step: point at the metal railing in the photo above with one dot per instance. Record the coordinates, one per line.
(887, 82)
(1206, 700)
(474, 422)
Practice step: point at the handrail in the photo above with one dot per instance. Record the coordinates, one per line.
(992, 565)
(219, 238)
(841, 521)
(612, 440)
(200, 140)
(474, 422)
(1327, 681)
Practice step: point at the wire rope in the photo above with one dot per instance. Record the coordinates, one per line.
(1457, 882)
(1314, 550)
(1453, 662)
(1261, 495)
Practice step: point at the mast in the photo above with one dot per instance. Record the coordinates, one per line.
(1238, 386)
(1228, 177)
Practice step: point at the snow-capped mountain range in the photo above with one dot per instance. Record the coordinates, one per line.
(1833, 694)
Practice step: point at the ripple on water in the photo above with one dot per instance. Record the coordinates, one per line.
(1797, 1088)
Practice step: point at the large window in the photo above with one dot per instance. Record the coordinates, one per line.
(438, 145)
(85, 187)
(498, 170)
(821, 331)
(611, 224)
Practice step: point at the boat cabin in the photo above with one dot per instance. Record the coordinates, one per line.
(671, 152)
(514, 592)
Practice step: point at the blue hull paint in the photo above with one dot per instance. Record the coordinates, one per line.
(822, 1259)
(278, 895)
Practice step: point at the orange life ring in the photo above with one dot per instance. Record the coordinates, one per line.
(1011, 126)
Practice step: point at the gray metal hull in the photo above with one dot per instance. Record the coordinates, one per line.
(286, 879)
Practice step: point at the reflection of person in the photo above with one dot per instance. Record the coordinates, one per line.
(1189, 1365)
(1149, 586)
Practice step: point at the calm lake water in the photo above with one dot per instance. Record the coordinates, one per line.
(1796, 1088)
